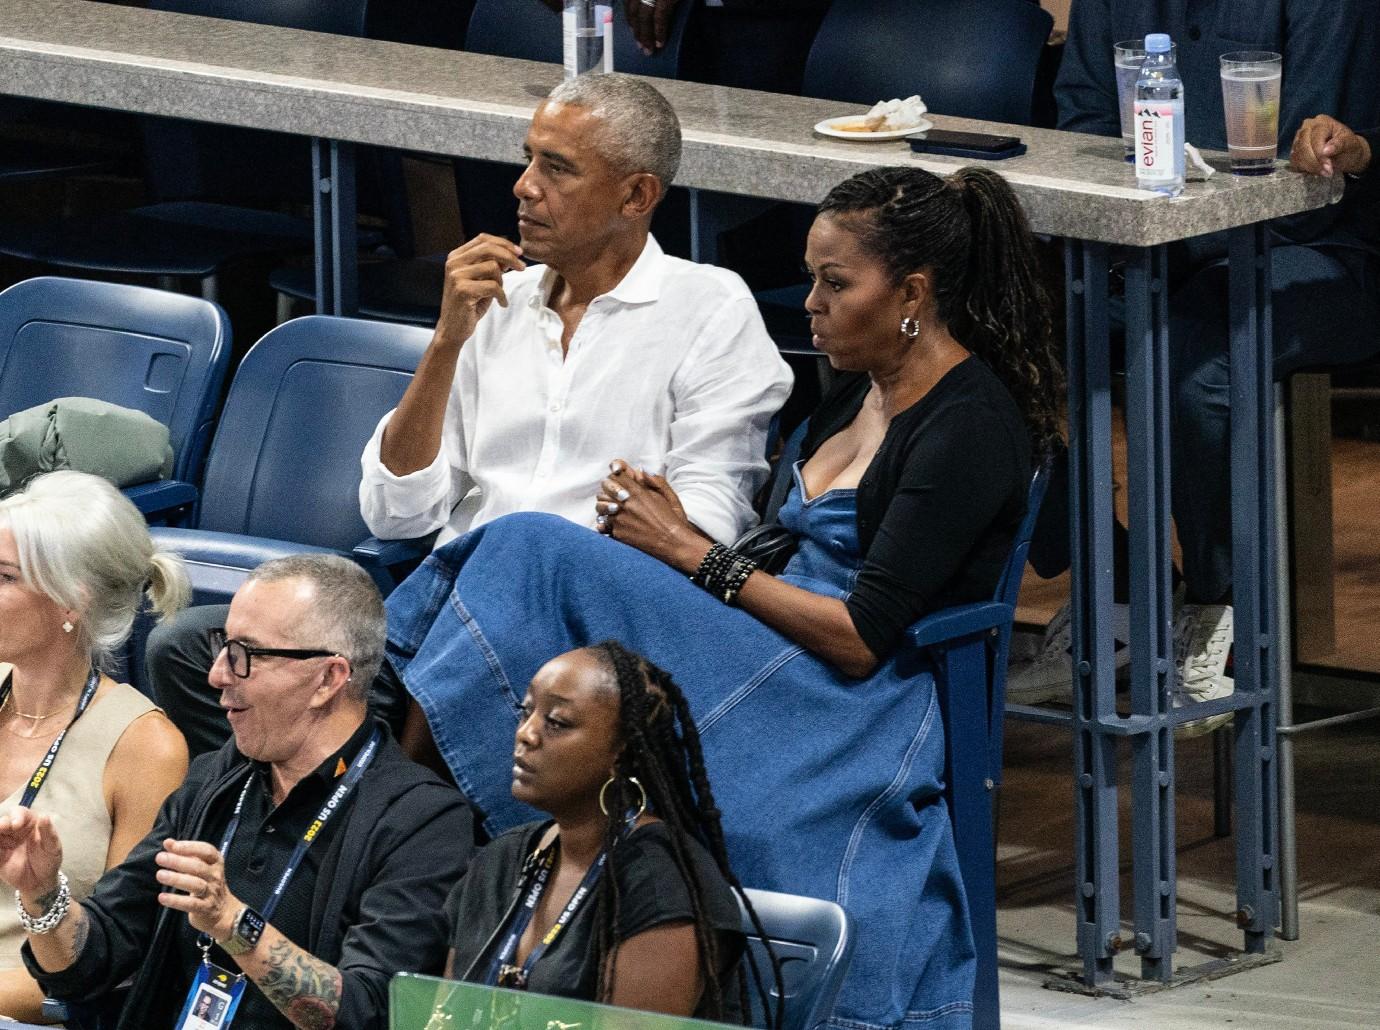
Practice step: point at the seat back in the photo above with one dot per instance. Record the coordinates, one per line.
(813, 941)
(967, 59)
(284, 463)
(160, 353)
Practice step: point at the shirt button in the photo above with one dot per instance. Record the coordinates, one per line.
(555, 407)
(269, 829)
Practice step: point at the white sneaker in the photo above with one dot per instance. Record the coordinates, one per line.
(1049, 675)
(1202, 643)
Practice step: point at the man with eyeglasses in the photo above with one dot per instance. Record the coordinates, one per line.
(298, 868)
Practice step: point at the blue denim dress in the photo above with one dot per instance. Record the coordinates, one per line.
(829, 786)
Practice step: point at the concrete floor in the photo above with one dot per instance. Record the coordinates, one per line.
(1330, 977)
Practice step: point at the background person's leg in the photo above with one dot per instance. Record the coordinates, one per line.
(178, 659)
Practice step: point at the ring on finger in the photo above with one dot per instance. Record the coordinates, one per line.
(648, 3)
(602, 520)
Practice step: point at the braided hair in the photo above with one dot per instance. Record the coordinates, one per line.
(661, 748)
(969, 231)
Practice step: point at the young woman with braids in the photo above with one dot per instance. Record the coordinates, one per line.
(607, 748)
(827, 757)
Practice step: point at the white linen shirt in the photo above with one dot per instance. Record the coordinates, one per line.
(671, 370)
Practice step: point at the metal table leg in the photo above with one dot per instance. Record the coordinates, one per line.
(1254, 587)
(1152, 645)
(1097, 898)
(334, 213)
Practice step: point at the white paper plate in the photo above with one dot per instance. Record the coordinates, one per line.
(830, 127)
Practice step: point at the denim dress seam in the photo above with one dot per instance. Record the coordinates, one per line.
(892, 789)
(735, 698)
(490, 655)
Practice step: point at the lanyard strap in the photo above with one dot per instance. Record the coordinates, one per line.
(36, 781)
(314, 828)
(536, 872)
(538, 876)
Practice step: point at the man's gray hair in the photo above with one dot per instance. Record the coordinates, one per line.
(346, 614)
(639, 131)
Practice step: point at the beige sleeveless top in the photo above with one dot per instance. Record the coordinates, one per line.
(74, 797)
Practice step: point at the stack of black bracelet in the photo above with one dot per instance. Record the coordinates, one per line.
(723, 573)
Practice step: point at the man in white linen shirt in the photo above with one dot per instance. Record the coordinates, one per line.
(612, 350)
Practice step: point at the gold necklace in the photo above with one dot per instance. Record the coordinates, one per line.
(25, 715)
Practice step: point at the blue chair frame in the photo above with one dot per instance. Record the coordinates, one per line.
(813, 940)
(966, 648)
(161, 353)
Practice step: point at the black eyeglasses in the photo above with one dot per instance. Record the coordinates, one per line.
(238, 653)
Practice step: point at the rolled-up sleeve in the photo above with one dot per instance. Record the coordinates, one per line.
(401, 925)
(404, 507)
(726, 393)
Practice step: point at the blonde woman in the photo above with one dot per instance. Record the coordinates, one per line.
(75, 563)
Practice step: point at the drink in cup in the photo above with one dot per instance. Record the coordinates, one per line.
(1128, 57)
(1250, 97)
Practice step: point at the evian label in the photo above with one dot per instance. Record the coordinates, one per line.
(1155, 141)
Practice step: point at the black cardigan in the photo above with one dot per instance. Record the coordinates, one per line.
(940, 504)
(405, 840)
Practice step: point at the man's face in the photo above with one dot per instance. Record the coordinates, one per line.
(570, 197)
(271, 710)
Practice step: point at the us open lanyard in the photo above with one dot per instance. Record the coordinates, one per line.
(40, 775)
(545, 862)
(313, 830)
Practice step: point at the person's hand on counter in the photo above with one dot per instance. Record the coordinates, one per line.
(1324, 146)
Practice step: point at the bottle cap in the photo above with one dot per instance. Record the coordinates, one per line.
(1157, 43)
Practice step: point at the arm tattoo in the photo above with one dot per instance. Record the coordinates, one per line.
(45, 902)
(303, 988)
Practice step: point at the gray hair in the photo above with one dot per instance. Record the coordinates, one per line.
(346, 614)
(84, 546)
(639, 131)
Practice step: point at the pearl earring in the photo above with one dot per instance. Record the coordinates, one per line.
(67, 627)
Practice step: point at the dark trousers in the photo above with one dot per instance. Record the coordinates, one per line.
(178, 660)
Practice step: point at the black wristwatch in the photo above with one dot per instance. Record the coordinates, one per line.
(245, 933)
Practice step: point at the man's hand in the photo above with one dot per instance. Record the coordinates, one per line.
(650, 22)
(30, 857)
(474, 280)
(197, 867)
(1324, 146)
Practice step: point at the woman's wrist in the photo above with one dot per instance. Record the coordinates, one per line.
(689, 552)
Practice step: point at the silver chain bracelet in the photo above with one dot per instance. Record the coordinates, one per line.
(57, 911)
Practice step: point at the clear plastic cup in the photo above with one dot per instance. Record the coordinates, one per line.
(1128, 57)
(1250, 100)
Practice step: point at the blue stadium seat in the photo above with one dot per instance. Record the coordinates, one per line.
(160, 353)
(813, 941)
(284, 463)
(966, 648)
(969, 60)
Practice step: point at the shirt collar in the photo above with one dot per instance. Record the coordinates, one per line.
(640, 285)
(335, 766)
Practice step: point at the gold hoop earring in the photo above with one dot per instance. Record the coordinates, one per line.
(910, 328)
(642, 793)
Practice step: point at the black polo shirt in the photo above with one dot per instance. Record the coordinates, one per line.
(258, 854)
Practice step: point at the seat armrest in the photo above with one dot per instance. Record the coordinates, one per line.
(161, 496)
(957, 622)
(387, 553)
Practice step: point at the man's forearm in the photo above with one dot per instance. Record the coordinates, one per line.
(59, 948)
(412, 438)
(305, 989)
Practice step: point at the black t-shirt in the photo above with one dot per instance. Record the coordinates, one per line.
(940, 504)
(651, 893)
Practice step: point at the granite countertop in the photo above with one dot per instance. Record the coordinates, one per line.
(470, 105)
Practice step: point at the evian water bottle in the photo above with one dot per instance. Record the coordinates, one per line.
(1159, 120)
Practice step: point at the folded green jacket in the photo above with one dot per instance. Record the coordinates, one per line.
(120, 444)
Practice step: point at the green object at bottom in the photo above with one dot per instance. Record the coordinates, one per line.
(426, 1003)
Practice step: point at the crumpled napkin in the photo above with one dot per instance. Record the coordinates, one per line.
(895, 114)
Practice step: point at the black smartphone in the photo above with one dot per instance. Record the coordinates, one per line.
(967, 144)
